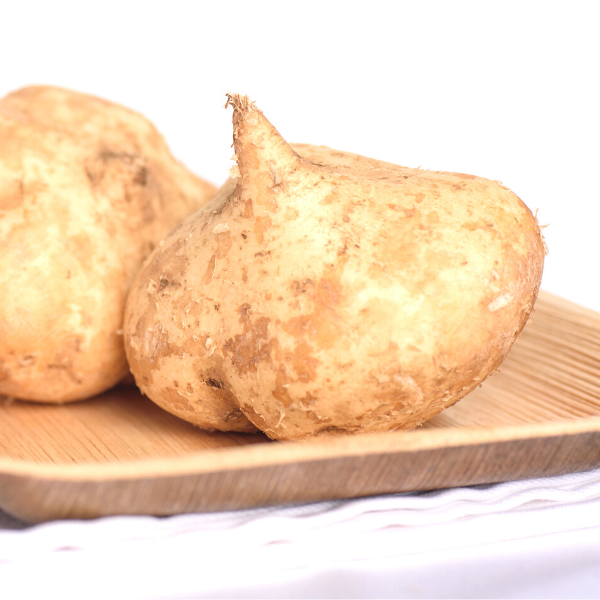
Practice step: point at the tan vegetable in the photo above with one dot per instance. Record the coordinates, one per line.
(86, 190)
(330, 293)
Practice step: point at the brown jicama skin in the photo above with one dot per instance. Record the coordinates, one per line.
(87, 188)
(322, 292)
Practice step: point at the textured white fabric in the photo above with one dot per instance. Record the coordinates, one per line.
(529, 538)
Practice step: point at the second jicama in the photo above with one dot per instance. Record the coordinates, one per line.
(323, 293)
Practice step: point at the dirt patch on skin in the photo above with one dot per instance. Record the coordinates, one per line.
(324, 324)
(251, 346)
(303, 363)
(303, 287)
(224, 243)
(248, 212)
(255, 418)
(281, 381)
(487, 226)
(214, 383)
(172, 398)
(261, 225)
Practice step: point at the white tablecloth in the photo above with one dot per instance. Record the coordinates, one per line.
(534, 538)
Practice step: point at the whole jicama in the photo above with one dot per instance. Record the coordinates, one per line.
(322, 292)
(87, 188)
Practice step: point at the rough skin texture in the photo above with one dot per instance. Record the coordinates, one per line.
(330, 293)
(86, 190)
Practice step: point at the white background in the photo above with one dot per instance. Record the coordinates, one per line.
(505, 90)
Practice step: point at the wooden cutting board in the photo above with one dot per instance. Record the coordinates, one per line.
(120, 454)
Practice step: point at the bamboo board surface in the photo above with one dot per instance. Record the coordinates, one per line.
(120, 454)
